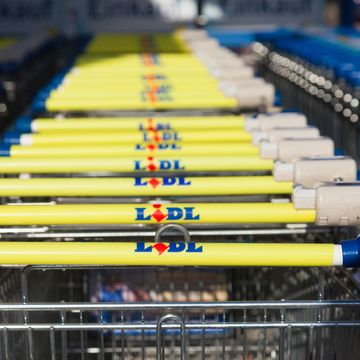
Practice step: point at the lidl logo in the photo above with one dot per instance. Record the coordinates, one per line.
(161, 212)
(163, 88)
(154, 91)
(157, 146)
(150, 165)
(164, 181)
(156, 136)
(174, 247)
(154, 77)
(153, 96)
(151, 125)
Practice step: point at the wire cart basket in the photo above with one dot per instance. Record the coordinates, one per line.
(161, 312)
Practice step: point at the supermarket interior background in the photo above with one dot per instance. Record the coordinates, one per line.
(179, 179)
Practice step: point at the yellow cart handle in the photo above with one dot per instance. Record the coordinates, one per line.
(44, 125)
(204, 213)
(134, 165)
(167, 149)
(154, 186)
(177, 254)
(54, 105)
(108, 137)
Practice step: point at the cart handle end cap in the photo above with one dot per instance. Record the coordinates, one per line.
(5, 150)
(251, 124)
(39, 105)
(11, 138)
(351, 252)
(23, 124)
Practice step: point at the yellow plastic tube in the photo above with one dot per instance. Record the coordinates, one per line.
(140, 164)
(125, 71)
(144, 79)
(169, 68)
(156, 104)
(137, 95)
(121, 137)
(143, 58)
(135, 43)
(43, 125)
(109, 90)
(174, 63)
(155, 186)
(133, 88)
(166, 254)
(136, 46)
(101, 214)
(163, 150)
(111, 62)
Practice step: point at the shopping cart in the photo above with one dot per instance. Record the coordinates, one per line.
(221, 294)
(107, 312)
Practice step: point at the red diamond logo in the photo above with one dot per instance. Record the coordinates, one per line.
(152, 167)
(160, 247)
(151, 147)
(159, 216)
(156, 137)
(154, 182)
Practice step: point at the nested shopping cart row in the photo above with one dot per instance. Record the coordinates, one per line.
(281, 153)
(311, 204)
(230, 198)
(196, 75)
